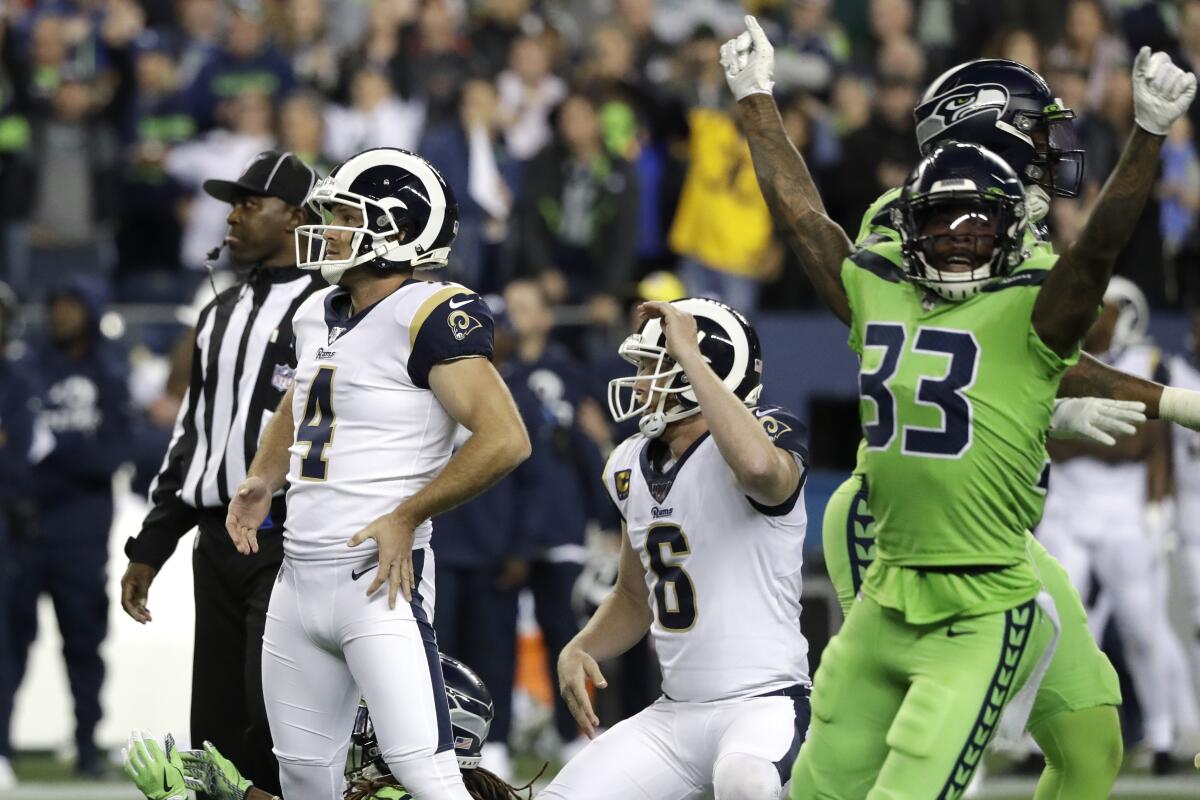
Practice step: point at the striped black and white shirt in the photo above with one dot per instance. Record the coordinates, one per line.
(243, 362)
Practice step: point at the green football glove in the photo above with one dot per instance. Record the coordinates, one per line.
(157, 774)
(214, 774)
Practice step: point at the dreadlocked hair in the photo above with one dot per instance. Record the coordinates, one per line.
(484, 785)
(363, 789)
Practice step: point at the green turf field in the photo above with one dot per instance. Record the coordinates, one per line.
(44, 777)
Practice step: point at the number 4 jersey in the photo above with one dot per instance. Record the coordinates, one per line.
(369, 431)
(723, 572)
(955, 400)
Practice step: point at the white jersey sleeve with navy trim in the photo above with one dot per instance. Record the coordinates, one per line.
(787, 433)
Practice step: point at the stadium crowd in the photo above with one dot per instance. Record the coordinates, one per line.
(595, 158)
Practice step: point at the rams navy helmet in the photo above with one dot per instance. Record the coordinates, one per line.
(471, 712)
(1133, 312)
(1009, 109)
(727, 342)
(409, 215)
(963, 188)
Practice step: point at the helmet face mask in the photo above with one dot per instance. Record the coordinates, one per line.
(408, 218)
(961, 218)
(659, 392)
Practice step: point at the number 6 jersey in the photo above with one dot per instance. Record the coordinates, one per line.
(723, 572)
(369, 431)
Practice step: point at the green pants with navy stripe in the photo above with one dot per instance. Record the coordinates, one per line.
(905, 712)
(1080, 678)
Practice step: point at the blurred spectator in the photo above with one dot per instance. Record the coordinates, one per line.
(302, 130)
(200, 26)
(814, 49)
(433, 61)
(699, 77)
(889, 20)
(528, 93)
(70, 171)
(722, 228)
(1097, 136)
(1015, 44)
(18, 408)
(150, 228)
(1179, 198)
(475, 164)
(651, 55)
(313, 54)
(1089, 41)
(1188, 55)
(245, 63)
(579, 215)
(221, 153)
(376, 117)
(879, 155)
(84, 402)
(498, 25)
(852, 100)
(568, 495)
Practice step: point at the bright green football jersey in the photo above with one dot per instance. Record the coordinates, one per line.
(955, 401)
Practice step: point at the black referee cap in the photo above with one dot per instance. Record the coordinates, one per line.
(271, 174)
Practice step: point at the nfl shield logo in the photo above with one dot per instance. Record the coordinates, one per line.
(334, 333)
(282, 377)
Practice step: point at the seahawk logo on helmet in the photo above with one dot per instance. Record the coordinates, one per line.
(409, 216)
(660, 392)
(1001, 105)
(960, 184)
(471, 713)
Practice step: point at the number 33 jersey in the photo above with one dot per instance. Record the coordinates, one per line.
(955, 400)
(723, 572)
(369, 432)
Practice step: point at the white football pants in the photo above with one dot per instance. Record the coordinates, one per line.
(1105, 537)
(744, 749)
(325, 643)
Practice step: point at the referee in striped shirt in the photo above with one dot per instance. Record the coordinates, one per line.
(242, 363)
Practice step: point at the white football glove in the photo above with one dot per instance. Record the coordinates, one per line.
(1161, 91)
(1096, 419)
(749, 61)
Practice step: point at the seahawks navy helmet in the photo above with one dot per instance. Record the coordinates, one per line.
(1009, 109)
(409, 215)
(727, 342)
(962, 188)
(471, 712)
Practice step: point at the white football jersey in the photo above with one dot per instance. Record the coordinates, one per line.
(369, 432)
(1185, 444)
(723, 572)
(1090, 483)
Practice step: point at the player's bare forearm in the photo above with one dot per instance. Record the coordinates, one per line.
(623, 617)
(254, 793)
(1066, 306)
(762, 470)
(795, 205)
(473, 394)
(1091, 377)
(486, 457)
(1159, 475)
(272, 459)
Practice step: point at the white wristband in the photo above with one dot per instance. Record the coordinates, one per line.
(1180, 405)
